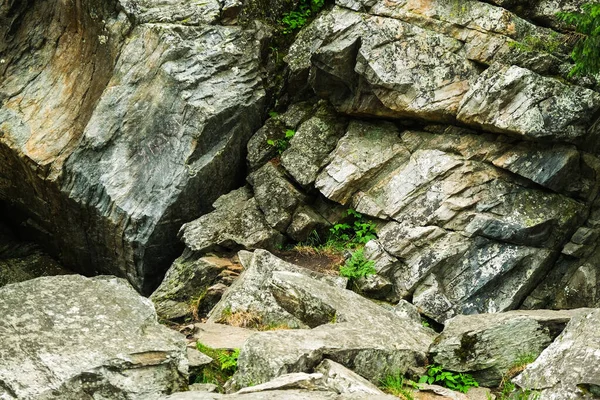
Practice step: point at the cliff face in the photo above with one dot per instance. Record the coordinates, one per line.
(123, 120)
(120, 122)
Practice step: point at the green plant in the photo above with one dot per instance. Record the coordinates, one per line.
(511, 392)
(296, 19)
(222, 367)
(394, 384)
(456, 381)
(586, 52)
(273, 114)
(281, 145)
(229, 360)
(357, 266)
(357, 232)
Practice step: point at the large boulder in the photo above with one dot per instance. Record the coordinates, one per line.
(489, 346)
(570, 367)
(254, 293)
(347, 328)
(71, 337)
(108, 157)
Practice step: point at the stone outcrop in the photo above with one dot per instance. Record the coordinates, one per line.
(110, 156)
(70, 337)
(569, 367)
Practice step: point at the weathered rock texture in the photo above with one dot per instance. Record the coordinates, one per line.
(570, 367)
(70, 337)
(118, 123)
(347, 328)
(488, 346)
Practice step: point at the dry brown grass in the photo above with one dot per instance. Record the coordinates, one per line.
(242, 319)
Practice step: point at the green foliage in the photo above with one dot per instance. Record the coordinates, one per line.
(296, 19)
(357, 232)
(511, 392)
(357, 266)
(229, 360)
(222, 367)
(394, 384)
(281, 145)
(586, 52)
(455, 381)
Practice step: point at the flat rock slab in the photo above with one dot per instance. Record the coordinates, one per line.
(278, 395)
(220, 336)
(70, 337)
(570, 367)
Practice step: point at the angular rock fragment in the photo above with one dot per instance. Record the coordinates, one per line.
(252, 294)
(347, 329)
(311, 144)
(570, 366)
(488, 346)
(70, 337)
(188, 281)
(275, 195)
(237, 222)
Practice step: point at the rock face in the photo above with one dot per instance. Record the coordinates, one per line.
(70, 337)
(569, 367)
(111, 156)
(488, 346)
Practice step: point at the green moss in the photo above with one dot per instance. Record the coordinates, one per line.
(467, 346)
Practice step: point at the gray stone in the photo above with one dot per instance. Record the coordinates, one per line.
(311, 144)
(294, 394)
(406, 310)
(570, 367)
(517, 101)
(220, 336)
(360, 154)
(70, 337)
(203, 387)
(252, 293)
(275, 195)
(126, 145)
(347, 329)
(173, 11)
(328, 376)
(188, 280)
(368, 350)
(488, 346)
(237, 222)
(259, 150)
(298, 380)
(344, 381)
(305, 221)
